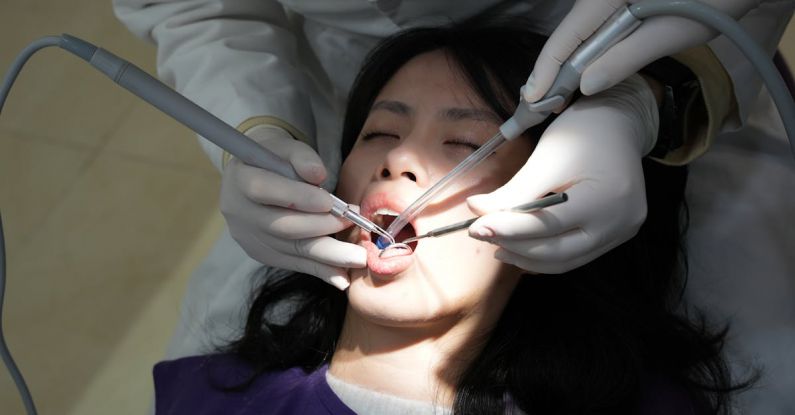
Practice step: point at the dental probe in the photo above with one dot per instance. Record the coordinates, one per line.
(199, 120)
(527, 115)
(544, 202)
(647, 8)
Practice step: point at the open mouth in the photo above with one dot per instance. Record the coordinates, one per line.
(384, 217)
(382, 208)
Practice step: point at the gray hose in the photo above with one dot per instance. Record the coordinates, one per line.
(13, 370)
(684, 8)
(19, 62)
(16, 375)
(731, 29)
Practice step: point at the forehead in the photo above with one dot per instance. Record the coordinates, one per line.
(431, 79)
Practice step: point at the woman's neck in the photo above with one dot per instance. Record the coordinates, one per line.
(413, 363)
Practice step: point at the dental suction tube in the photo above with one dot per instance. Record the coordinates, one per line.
(198, 119)
(178, 107)
(622, 23)
(13, 370)
(729, 27)
(236, 143)
(527, 115)
(181, 109)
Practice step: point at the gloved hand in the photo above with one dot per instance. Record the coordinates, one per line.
(593, 152)
(655, 38)
(282, 222)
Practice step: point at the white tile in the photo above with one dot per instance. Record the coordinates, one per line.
(57, 96)
(148, 134)
(34, 176)
(86, 275)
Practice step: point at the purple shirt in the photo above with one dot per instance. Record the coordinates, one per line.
(193, 385)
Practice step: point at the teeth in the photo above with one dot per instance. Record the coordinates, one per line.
(385, 211)
(395, 250)
(379, 215)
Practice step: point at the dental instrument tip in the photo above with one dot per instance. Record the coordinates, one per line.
(396, 245)
(384, 238)
(381, 243)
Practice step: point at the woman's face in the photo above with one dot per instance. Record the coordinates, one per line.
(426, 120)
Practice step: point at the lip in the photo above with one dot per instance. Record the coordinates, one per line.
(374, 201)
(386, 268)
(378, 200)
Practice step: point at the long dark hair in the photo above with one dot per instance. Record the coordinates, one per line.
(593, 340)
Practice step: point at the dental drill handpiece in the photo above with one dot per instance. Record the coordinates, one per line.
(199, 120)
(616, 28)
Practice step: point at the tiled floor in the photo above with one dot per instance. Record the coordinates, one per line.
(107, 207)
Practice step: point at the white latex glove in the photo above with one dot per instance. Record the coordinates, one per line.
(282, 222)
(655, 38)
(593, 152)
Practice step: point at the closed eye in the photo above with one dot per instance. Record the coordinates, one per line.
(463, 143)
(376, 134)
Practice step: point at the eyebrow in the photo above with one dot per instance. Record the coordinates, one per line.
(397, 107)
(450, 114)
(458, 114)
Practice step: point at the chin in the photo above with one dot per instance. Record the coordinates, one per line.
(400, 303)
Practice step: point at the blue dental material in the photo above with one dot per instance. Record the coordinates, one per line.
(207, 125)
(549, 200)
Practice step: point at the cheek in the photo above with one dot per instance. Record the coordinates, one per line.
(464, 262)
(355, 174)
(463, 267)
(493, 172)
(517, 153)
(471, 272)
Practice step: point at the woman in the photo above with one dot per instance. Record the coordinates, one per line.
(450, 327)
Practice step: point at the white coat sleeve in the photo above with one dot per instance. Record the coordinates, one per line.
(766, 24)
(235, 58)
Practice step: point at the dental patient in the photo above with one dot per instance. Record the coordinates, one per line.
(447, 327)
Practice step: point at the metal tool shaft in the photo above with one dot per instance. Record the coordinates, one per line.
(527, 207)
(175, 105)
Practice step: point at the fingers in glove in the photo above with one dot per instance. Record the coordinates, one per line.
(265, 254)
(269, 188)
(548, 222)
(248, 216)
(565, 247)
(540, 266)
(579, 24)
(291, 224)
(322, 249)
(335, 276)
(641, 48)
(540, 175)
(302, 157)
(589, 206)
(517, 226)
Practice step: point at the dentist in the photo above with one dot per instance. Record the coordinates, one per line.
(280, 71)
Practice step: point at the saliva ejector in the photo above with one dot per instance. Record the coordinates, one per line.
(527, 114)
(621, 24)
(183, 110)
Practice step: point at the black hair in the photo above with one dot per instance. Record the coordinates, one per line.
(494, 73)
(593, 340)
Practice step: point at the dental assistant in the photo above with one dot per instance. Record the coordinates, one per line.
(281, 72)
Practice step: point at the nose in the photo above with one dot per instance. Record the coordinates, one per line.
(404, 162)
